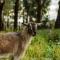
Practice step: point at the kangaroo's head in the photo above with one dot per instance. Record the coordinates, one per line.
(31, 28)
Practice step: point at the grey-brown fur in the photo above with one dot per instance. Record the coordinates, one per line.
(14, 43)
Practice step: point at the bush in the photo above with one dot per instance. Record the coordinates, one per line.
(53, 37)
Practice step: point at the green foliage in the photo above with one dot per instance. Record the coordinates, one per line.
(54, 37)
(31, 6)
(7, 7)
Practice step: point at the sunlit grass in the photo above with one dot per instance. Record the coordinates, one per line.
(40, 49)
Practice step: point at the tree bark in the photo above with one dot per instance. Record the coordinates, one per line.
(38, 11)
(57, 23)
(1, 9)
(16, 8)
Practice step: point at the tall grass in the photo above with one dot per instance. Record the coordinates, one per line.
(40, 49)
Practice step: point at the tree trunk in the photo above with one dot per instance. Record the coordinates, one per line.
(16, 8)
(1, 9)
(27, 18)
(57, 23)
(38, 11)
(27, 15)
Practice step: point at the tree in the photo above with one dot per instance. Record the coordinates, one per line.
(7, 7)
(1, 10)
(39, 7)
(16, 8)
(42, 8)
(26, 5)
(57, 23)
(36, 8)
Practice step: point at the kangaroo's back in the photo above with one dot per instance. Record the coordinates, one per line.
(8, 43)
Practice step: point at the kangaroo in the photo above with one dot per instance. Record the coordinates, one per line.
(15, 43)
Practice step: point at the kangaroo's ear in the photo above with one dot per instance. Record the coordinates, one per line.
(25, 24)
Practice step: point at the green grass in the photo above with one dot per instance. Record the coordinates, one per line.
(41, 49)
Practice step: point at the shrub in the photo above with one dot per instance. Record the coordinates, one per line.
(53, 37)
